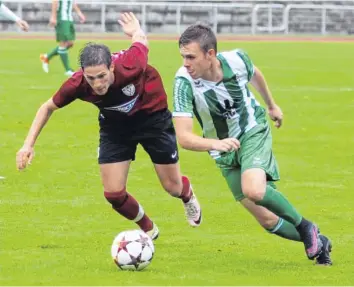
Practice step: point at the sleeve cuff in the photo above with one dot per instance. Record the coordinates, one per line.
(182, 114)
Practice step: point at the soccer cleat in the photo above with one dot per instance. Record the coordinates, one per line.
(193, 211)
(324, 258)
(45, 62)
(154, 232)
(311, 239)
(69, 73)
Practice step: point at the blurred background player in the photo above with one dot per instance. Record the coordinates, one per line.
(133, 110)
(7, 13)
(213, 87)
(63, 21)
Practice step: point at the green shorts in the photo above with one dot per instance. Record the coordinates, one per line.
(255, 152)
(65, 31)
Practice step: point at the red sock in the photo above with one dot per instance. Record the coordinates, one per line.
(186, 190)
(127, 206)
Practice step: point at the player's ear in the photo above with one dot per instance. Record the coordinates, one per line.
(111, 67)
(211, 53)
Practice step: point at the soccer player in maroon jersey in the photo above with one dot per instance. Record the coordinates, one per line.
(133, 110)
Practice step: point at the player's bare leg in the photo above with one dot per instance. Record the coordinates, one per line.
(255, 188)
(62, 51)
(114, 178)
(265, 218)
(179, 186)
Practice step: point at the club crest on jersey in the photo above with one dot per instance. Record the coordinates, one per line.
(198, 83)
(129, 90)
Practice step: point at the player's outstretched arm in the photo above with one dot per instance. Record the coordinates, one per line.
(259, 82)
(53, 16)
(6, 12)
(131, 27)
(79, 13)
(25, 155)
(188, 140)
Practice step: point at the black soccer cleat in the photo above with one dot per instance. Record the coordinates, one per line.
(310, 237)
(324, 258)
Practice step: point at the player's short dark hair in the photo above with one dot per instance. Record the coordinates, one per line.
(94, 54)
(200, 33)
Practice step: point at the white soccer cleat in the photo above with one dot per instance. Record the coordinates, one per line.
(69, 73)
(193, 211)
(154, 232)
(45, 62)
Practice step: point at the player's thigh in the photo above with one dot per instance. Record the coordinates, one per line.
(256, 152)
(253, 183)
(233, 179)
(114, 175)
(115, 152)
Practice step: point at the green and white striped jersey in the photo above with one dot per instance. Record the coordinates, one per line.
(224, 109)
(65, 10)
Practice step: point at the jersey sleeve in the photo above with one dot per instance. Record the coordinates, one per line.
(130, 63)
(66, 94)
(248, 63)
(182, 98)
(7, 13)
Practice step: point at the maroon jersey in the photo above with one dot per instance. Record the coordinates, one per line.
(137, 87)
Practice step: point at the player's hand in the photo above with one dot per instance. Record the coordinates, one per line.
(129, 23)
(23, 25)
(52, 21)
(276, 115)
(226, 145)
(24, 157)
(82, 18)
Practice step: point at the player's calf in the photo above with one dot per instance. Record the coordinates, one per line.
(127, 206)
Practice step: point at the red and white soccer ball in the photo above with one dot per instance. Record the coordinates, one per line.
(132, 250)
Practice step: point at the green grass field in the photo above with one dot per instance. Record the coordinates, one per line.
(56, 227)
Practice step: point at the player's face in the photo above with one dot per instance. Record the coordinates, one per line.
(99, 78)
(196, 61)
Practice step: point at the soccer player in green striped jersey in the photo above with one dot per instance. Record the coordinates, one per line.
(63, 21)
(213, 88)
(8, 14)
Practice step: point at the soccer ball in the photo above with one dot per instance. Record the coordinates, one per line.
(132, 250)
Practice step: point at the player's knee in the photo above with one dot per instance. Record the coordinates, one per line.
(116, 198)
(173, 186)
(253, 185)
(253, 192)
(254, 195)
(69, 45)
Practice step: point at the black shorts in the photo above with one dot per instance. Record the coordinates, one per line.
(155, 132)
